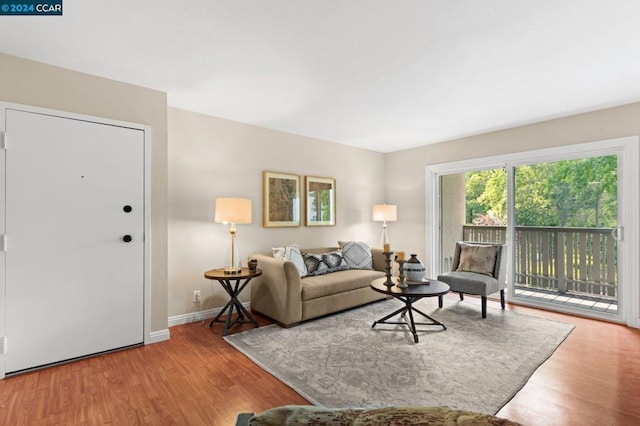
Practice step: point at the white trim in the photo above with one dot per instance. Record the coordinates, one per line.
(579, 312)
(511, 228)
(631, 220)
(432, 198)
(3, 255)
(198, 315)
(629, 309)
(158, 336)
(71, 115)
(148, 338)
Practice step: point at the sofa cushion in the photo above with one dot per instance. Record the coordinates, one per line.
(293, 254)
(478, 258)
(324, 263)
(357, 254)
(338, 282)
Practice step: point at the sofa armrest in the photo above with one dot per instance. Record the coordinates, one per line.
(378, 259)
(277, 293)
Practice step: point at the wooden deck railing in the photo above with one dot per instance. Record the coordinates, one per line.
(566, 260)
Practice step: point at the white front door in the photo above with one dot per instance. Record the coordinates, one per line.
(75, 238)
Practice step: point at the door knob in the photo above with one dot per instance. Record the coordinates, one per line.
(127, 238)
(127, 209)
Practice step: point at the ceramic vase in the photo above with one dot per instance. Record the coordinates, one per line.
(414, 270)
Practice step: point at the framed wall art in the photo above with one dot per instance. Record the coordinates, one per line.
(320, 201)
(281, 200)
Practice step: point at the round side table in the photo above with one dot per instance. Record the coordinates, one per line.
(233, 284)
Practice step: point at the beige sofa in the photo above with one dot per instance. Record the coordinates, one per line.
(280, 294)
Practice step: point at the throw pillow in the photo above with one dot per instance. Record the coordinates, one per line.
(293, 254)
(477, 258)
(323, 263)
(357, 254)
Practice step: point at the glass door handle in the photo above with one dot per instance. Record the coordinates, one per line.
(617, 233)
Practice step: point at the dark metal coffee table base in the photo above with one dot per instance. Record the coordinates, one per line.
(409, 295)
(408, 300)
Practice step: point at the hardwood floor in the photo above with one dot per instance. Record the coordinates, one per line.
(593, 378)
(198, 379)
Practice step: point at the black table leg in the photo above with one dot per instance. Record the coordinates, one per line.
(392, 314)
(412, 325)
(233, 292)
(229, 305)
(433, 321)
(408, 308)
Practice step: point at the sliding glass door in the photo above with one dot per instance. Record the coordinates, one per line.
(568, 217)
(565, 234)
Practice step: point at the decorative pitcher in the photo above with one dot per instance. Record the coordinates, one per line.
(414, 270)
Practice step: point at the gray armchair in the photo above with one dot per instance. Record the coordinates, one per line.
(477, 268)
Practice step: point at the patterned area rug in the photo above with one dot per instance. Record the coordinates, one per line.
(340, 361)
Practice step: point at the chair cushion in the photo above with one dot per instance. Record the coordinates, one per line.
(478, 258)
(471, 283)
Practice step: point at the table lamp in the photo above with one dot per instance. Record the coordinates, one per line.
(385, 213)
(233, 211)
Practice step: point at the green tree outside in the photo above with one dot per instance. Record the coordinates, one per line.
(573, 193)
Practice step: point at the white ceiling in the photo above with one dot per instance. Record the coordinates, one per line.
(378, 74)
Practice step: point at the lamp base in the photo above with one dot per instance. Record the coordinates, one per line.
(384, 237)
(232, 270)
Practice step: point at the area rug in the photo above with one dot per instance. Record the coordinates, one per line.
(340, 361)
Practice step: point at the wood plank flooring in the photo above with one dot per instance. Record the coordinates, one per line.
(198, 379)
(593, 378)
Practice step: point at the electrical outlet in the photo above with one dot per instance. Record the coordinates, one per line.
(196, 296)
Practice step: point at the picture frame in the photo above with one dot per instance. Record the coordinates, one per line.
(281, 200)
(320, 195)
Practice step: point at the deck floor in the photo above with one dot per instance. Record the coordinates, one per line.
(574, 300)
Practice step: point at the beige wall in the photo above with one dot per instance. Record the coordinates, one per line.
(406, 169)
(211, 157)
(32, 83)
(453, 210)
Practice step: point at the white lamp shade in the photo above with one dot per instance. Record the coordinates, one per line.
(233, 210)
(385, 212)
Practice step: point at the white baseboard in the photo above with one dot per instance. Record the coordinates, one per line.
(198, 315)
(634, 322)
(158, 336)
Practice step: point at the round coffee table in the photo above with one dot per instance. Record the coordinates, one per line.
(408, 296)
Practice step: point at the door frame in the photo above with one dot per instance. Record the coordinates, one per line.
(5, 141)
(628, 210)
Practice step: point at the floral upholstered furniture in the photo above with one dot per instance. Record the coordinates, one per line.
(387, 416)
